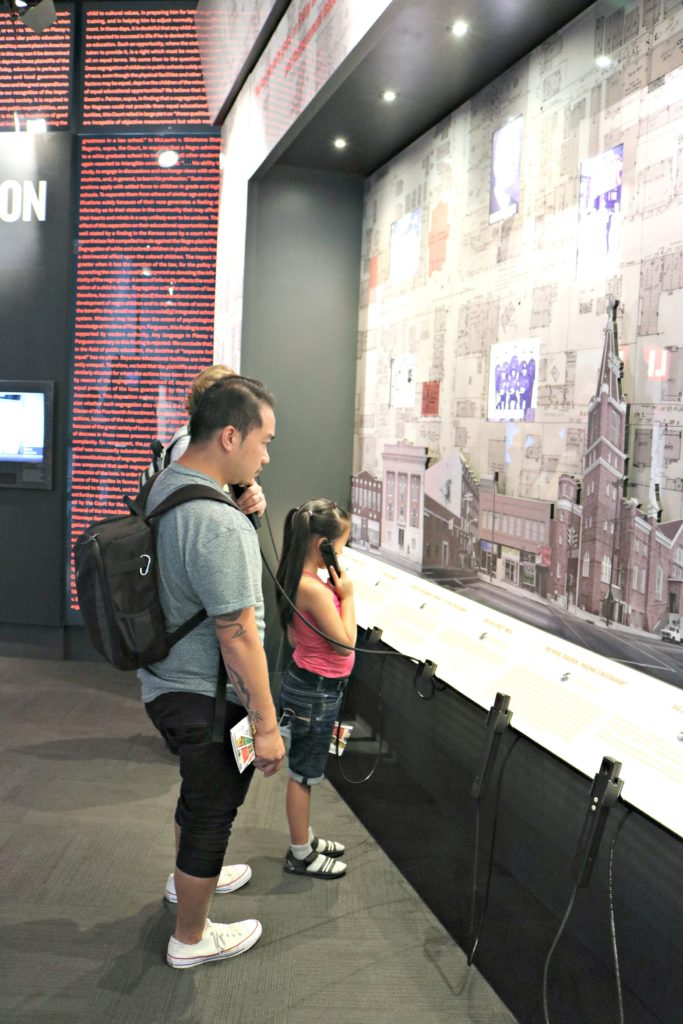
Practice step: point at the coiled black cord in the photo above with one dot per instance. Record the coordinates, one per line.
(373, 769)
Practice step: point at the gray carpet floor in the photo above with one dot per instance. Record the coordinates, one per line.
(87, 793)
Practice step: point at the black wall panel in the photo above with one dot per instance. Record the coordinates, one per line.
(300, 330)
(418, 805)
(35, 280)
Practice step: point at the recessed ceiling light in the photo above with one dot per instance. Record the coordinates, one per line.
(460, 28)
(603, 61)
(167, 158)
(389, 95)
(340, 143)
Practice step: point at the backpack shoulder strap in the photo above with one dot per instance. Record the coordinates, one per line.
(191, 492)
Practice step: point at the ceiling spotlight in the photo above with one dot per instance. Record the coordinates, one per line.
(460, 28)
(167, 157)
(603, 61)
(37, 14)
(389, 95)
(340, 143)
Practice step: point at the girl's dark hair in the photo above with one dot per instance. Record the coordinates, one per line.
(317, 518)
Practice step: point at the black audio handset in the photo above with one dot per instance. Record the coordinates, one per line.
(329, 558)
(497, 721)
(605, 792)
(237, 492)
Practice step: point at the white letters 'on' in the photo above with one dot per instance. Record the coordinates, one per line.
(22, 200)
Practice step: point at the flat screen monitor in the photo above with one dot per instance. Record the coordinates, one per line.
(26, 433)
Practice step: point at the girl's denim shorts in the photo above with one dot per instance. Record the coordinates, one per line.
(309, 705)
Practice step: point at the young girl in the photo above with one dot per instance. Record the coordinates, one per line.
(313, 685)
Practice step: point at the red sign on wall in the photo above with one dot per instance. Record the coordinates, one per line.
(430, 398)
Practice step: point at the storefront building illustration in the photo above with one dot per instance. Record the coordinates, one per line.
(514, 538)
(403, 472)
(366, 510)
(451, 520)
(422, 518)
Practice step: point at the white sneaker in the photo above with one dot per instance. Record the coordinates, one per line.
(218, 942)
(232, 876)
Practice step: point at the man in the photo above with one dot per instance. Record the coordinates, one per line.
(208, 557)
(252, 499)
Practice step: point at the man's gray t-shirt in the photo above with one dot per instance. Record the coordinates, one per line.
(207, 557)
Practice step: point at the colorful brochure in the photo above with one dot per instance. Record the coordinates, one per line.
(243, 743)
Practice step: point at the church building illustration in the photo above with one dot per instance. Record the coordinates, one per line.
(624, 565)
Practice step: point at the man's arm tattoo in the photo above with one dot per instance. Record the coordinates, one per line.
(243, 693)
(231, 625)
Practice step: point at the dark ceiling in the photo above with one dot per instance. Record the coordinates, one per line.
(412, 50)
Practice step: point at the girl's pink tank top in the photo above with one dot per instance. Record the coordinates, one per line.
(314, 653)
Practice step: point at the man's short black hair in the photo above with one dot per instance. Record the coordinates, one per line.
(234, 401)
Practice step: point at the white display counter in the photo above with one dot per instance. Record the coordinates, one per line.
(578, 705)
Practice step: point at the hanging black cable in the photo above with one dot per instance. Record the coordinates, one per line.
(546, 965)
(605, 792)
(270, 534)
(330, 640)
(423, 670)
(373, 769)
(612, 922)
(482, 917)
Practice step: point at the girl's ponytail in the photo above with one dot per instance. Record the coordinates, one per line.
(317, 518)
(294, 547)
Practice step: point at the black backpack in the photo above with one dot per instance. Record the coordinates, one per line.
(116, 581)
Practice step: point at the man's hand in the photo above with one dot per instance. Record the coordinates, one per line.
(270, 751)
(252, 499)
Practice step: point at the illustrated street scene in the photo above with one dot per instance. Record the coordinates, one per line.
(591, 560)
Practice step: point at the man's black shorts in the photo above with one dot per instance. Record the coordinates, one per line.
(211, 787)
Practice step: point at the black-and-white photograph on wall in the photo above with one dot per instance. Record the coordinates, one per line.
(513, 380)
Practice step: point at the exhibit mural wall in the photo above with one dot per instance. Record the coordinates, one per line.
(519, 405)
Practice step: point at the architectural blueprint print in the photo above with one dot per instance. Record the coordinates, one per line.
(586, 262)
(600, 142)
